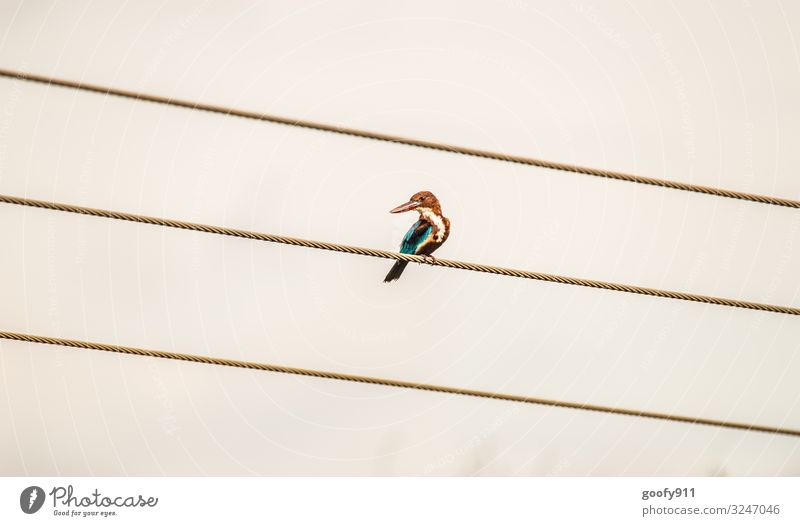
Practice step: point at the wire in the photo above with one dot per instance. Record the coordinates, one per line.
(408, 141)
(322, 245)
(392, 383)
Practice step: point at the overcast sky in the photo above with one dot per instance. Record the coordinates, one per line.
(702, 92)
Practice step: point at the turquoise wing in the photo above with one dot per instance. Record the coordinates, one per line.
(416, 236)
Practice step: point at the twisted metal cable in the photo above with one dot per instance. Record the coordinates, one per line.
(322, 245)
(408, 141)
(46, 340)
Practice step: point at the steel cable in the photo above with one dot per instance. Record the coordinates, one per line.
(343, 130)
(322, 245)
(210, 360)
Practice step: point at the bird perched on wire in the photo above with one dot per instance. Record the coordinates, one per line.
(426, 235)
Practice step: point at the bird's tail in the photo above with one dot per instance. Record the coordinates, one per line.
(396, 271)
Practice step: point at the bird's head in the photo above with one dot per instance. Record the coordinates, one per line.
(420, 202)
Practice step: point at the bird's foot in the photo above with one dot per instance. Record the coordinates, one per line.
(429, 259)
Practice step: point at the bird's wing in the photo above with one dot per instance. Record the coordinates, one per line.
(416, 236)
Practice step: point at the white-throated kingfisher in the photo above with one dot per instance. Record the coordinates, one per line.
(426, 235)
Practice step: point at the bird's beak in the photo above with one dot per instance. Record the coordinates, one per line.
(405, 207)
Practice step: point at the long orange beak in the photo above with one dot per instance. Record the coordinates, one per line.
(405, 207)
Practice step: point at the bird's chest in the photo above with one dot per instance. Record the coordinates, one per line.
(439, 228)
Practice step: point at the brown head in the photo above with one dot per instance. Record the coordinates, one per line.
(419, 202)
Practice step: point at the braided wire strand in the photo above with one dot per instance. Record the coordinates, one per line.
(322, 245)
(397, 139)
(329, 375)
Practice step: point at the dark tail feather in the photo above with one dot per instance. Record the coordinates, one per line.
(396, 271)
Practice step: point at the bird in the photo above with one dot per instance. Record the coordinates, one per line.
(426, 235)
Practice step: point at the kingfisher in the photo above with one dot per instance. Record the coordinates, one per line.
(426, 235)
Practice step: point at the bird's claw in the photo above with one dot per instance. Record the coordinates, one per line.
(429, 259)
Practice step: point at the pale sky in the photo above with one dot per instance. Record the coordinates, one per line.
(703, 92)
